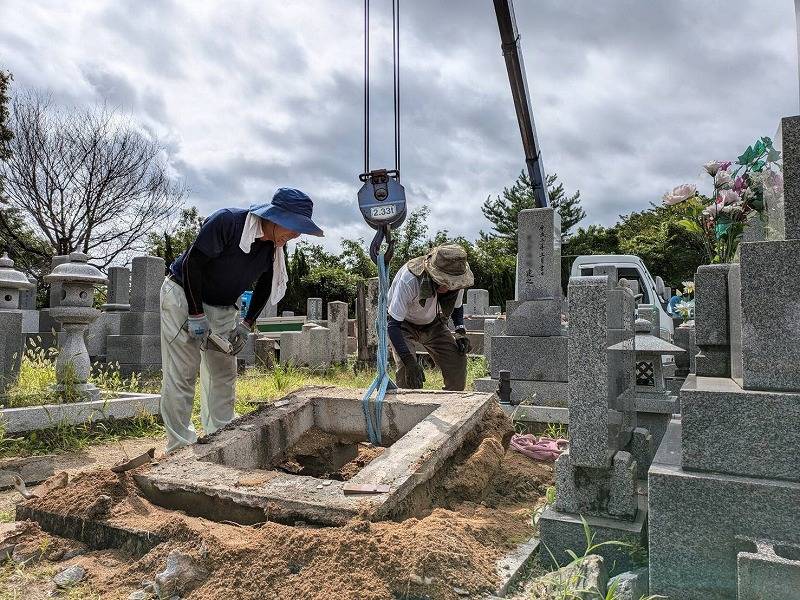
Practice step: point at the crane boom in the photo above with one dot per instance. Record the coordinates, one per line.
(512, 52)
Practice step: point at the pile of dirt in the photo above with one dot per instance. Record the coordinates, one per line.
(452, 548)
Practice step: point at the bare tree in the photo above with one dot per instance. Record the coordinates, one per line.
(86, 180)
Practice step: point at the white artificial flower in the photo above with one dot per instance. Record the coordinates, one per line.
(680, 194)
(712, 167)
(723, 180)
(728, 197)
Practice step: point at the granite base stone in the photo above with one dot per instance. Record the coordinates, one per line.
(140, 323)
(531, 358)
(539, 393)
(597, 492)
(533, 318)
(711, 305)
(30, 321)
(147, 275)
(766, 575)
(697, 522)
(560, 532)
(135, 349)
(713, 361)
(730, 430)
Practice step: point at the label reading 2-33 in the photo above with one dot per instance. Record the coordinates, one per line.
(383, 212)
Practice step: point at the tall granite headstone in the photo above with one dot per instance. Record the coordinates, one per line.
(533, 347)
(477, 302)
(337, 324)
(596, 477)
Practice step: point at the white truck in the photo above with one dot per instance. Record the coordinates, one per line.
(632, 268)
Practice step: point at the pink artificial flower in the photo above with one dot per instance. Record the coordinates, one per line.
(723, 180)
(738, 184)
(712, 210)
(680, 194)
(723, 166)
(712, 167)
(726, 197)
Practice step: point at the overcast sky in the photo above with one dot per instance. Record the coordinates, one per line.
(630, 97)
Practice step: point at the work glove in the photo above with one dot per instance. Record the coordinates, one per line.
(198, 326)
(462, 341)
(238, 337)
(415, 376)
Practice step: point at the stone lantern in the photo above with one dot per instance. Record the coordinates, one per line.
(12, 282)
(649, 367)
(12, 340)
(75, 313)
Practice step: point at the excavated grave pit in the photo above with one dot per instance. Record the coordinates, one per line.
(292, 460)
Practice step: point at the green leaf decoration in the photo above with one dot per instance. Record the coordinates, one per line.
(720, 229)
(758, 165)
(759, 148)
(767, 141)
(773, 155)
(747, 156)
(691, 226)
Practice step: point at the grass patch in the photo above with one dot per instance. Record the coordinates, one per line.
(253, 389)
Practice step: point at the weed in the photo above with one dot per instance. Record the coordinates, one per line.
(556, 431)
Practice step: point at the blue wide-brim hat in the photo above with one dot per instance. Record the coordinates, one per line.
(290, 208)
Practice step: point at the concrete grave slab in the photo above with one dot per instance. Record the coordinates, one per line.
(423, 429)
(120, 406)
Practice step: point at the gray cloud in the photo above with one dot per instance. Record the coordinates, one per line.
(630, 97)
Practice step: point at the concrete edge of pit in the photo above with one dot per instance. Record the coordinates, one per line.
(513, 565)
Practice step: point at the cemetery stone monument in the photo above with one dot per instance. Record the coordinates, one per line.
(110, 319)
(477, 302)
(596, 477)
(137, 348)
(314, 309)
(726, 477)
(12, 340)
(533, 347)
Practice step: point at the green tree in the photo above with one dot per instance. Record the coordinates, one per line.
(170, 246)
(502, 210)
(666, 248)
(5, 132)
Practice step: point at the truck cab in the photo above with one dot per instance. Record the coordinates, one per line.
(633, 269)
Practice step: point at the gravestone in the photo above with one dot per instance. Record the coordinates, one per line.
(46, 323)
(12, 339)
(27, 304)
(287, 313)
(119, 290)
(314, 309)
(711, 321)
(290, 348)
(596, 477)
(533, 347)
(366, 327)
(264, 349)
(337, 324)
(137, 348)
(477, 302)
(727, 471)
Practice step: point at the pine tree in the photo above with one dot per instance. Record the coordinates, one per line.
(502, 210)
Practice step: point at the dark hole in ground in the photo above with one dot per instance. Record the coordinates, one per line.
(324, 455)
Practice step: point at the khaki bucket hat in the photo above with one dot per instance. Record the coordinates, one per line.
(447, 265)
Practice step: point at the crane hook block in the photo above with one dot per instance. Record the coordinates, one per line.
(382, 199)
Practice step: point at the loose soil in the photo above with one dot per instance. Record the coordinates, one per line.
(479, 508)
(322, 454)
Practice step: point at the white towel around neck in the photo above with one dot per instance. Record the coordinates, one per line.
(251, 232)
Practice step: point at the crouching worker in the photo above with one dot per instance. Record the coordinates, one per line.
(425, 293)
(234, 248)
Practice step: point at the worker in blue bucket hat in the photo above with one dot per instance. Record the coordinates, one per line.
(199, 317)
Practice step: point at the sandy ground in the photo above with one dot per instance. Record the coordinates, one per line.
(476, 511)
(93, 457)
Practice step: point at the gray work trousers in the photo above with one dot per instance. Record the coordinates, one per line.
(437, 339)
(181, 359)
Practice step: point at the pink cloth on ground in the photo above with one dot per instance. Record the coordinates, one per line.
(541, 448)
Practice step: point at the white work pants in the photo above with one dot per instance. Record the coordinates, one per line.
(181, 358)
